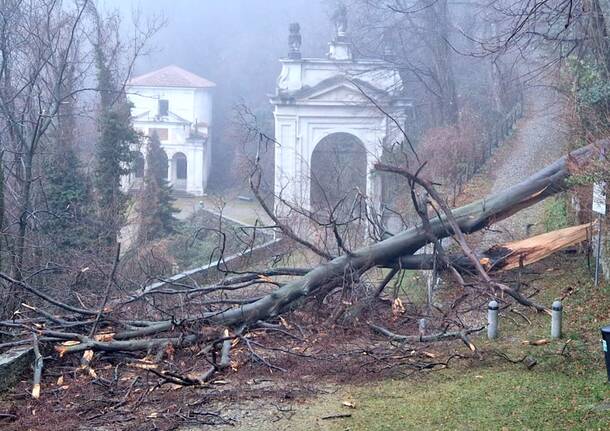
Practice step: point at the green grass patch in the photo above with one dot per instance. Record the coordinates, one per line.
(555, 213)
(411, 286)
(482, 399)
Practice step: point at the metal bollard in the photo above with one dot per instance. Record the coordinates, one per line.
(492, 320)
(556, 311)
(605, 342)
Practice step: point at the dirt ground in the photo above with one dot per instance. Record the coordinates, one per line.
(320, 375)
(281, 371)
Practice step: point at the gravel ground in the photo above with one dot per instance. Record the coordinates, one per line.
(539, 140)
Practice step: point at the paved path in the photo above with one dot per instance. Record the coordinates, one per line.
(244, 211)
(539, 140)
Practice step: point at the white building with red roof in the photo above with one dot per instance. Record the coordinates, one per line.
(176, 105)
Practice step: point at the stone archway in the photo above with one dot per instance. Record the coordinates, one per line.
(338, 174)
(316, 101)
(179, 171)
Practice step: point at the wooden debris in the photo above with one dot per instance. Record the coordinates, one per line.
(510, 255)
(38, 364)
(514, 254)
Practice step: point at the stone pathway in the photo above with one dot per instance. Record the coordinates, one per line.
(243, 211)
(539, 140)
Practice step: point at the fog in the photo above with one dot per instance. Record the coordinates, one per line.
(237, 45)
(234, 43)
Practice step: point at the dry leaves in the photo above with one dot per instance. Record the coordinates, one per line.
(349, 404)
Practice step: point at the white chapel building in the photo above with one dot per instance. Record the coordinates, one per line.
(177, 105)
(333, 118)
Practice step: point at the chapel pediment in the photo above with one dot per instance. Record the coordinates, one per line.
(338, 89)
(171, 117)
(340, 93)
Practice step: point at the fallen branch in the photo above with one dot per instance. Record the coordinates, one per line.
(337, 416)
(46, 297)
(443, 336)
(225, 358)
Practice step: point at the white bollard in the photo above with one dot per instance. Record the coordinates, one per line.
(556, 311)
(492, 320)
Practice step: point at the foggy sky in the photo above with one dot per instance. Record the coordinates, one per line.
(235, 43)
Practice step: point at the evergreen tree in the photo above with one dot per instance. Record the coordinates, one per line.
(67, 200)
(155, 203)
(113, 160)
(113, 151)
(66, 189)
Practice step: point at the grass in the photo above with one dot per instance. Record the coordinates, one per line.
(562, 392)
(555, 213)
(488, 398)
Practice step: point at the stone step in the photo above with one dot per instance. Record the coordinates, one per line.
(13, 363)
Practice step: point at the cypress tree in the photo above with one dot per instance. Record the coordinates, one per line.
(155, 204)
(67, 200)
(113, 151)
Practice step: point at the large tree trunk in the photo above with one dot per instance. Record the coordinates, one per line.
(470, 218)
(437, 19)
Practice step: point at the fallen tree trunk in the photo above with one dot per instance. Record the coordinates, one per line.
(470, 218)
(390, 252)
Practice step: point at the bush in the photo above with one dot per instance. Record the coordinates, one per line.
(454, 153)
(555, 214)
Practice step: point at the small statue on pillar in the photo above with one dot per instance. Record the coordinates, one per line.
(340, 20)
(294, 41)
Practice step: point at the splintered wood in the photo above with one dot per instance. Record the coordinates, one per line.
(511, 255)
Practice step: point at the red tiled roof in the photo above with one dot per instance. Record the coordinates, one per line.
(171, 76)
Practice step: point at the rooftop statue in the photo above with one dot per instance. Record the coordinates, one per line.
(294, 41)
(340, 20)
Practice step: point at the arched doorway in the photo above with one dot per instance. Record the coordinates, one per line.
(180, 171)
(338, 176)
(164, 161)
(138, 165)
